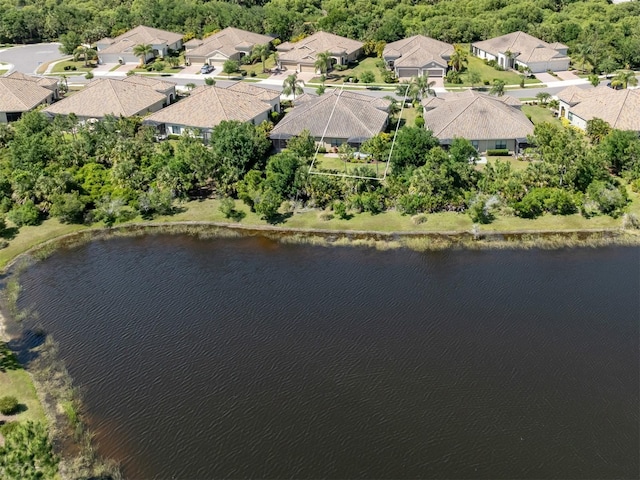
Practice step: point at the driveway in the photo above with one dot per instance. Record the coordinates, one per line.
(27, 58)
(546, 77)
(566, 75)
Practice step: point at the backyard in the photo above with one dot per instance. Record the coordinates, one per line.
(356, 71)
(489, 74)
(539, 114)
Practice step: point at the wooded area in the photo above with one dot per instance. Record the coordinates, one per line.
(600, 35)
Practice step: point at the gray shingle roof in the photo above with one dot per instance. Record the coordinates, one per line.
(525, 47)
(108, 96)
(476, 116)
(207, 106)
(18, 95)
(418, 51)
(351, 114)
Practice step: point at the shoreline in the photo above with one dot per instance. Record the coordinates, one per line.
(414, 240)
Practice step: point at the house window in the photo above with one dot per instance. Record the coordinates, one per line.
(570, 117)
(13, 116)
(176, 129)
(335, 142)
(501, 144)
(475, 144)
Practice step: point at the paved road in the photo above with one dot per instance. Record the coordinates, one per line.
(27, 58)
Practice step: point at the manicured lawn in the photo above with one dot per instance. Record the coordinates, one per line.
(59, 67)
(409, 115)
(336, 76)
(167, 69)
(257, 68)
(489, 74)
(539, 114)
(515, 163)
(16, 382)
(2, 72)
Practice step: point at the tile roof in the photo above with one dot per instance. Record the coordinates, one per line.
(108, 96)
(46, 82)
(418, 51)
(619, 108)
(525, 47)
(207, 106)
(306, 49)
(152, 82)
(227, 42)
(17, 95)
(476, 116)
(260, 93)
(343, 114)
(137, 36)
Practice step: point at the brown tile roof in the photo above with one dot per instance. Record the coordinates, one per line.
(227, 42)
(619, 108)
(476, 116)
(18, 95)
(207, 106)
(343, 114)
(261, 93)
(46, 82)
(108, 96)
(162, 86)
(306, 49)
(137, 36)
(525, 47)
(418, 51)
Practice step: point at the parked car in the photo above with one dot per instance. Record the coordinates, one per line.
(206, 69)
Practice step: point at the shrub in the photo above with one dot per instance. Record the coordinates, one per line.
(8, 405)
(243, 73)
(631, 221)
(340, 209)
(325, 216)
(480, 210)
(89, 76)
(340, 68)
(498, 152)
(419, 219)
(159, 66)
(252, 73)
(532, 204)
(486, 82)
(419, 121)
(209, 81)
(227, 207)
(367, 77)
(603, 197)
(69, 208)
(25, 214)
(561, 202)
(8, 427)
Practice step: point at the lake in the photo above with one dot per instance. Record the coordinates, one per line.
(247, 358)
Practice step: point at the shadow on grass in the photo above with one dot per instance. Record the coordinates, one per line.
(26, 346)
(279, 218)
(9, 233)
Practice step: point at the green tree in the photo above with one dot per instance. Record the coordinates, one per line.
(459, 57)
(209, 81)
(474, 78)
(230, 66)
(367, 77)
(594, 79)
(27, 453)
(323, 62)
(543, 98)
(303, 145)
(624, 79)
(69, 42)
(69, 208)
(262, 52)
(497, 88)
(87, 54)
(292, 86)
(411, 148)
(597, 129)
(142, 51)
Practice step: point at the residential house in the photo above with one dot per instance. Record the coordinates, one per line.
(335, 118)
(418, 56)
(46, 82)
(619, 108)
(209, 105)
(120, 49)
(488, 122)
(519, 49)
(302, 55)
(109, 96)
(228, 44)
(21, 93)
(162, 86)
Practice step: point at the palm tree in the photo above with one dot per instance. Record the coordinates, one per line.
(582, 57)
(394, 107)
(458, 60)
(323, 62)
(261, 52)
(497, 88)
(292, 86)
(142, 51)
(543, 97)
(421, 87)
(624, 78)
(87, 53)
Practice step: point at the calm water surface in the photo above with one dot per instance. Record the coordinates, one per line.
(246, 358)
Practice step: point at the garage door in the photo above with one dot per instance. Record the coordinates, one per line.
(408, 72)
(435, 72)
(307, 68)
